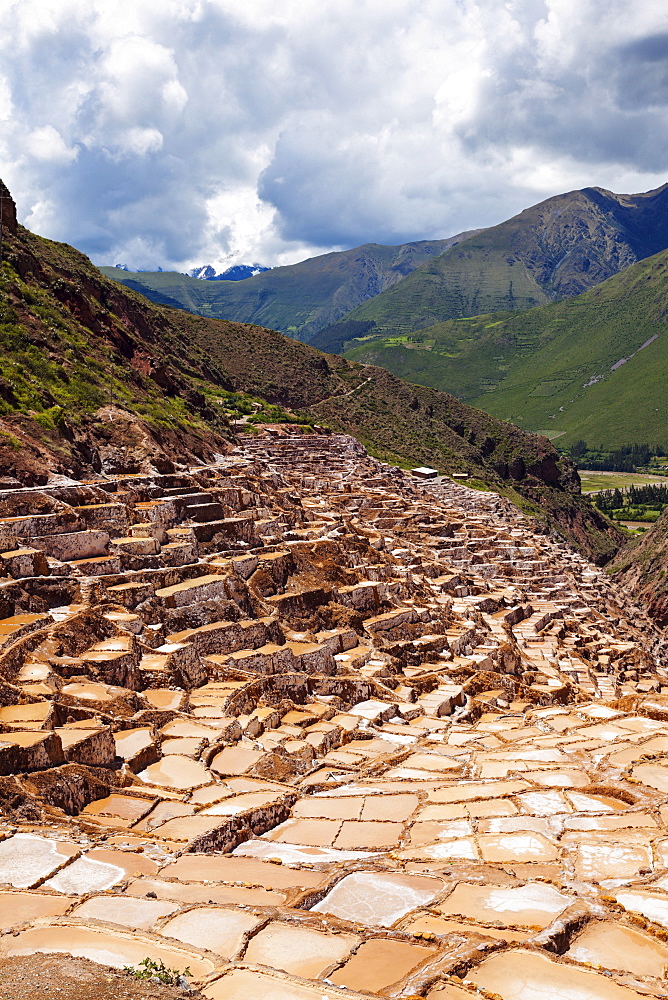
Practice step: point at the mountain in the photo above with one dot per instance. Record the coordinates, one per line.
(298, 299)
(593, 367)
(95, 379)
(553, 250)
(238, 272)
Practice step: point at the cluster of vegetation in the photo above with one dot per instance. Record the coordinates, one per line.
(254, 410)
(637, 503)
(158, 971)
(626, 458)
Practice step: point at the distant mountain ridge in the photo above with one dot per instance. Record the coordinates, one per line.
(550, 251)
(297, 299)
(553, 250)
(205, 272)
(238, 272)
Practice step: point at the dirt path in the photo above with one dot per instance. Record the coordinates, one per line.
(342, 395)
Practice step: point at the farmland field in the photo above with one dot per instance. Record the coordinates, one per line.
(593, 481)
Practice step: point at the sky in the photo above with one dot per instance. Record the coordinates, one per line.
(175, 133)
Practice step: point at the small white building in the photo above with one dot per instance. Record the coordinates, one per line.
(424, 472)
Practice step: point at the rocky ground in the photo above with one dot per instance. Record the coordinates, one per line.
(308, 728)
(59, 977)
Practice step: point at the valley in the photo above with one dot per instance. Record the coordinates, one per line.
(593, 482)
(298, 299)
(552, 320)
(280, 719)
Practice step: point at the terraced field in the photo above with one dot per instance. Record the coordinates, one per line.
(307, 728)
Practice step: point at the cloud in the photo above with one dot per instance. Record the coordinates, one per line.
(178, 132)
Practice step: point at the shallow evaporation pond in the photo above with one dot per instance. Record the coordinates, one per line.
(299, 950)
(535, 903)
(526, 975)
(247, 984)
(298, 853)
(107, 947)
(219, 929)
(86, 875)
(517, 847)
(129, 911)
(650, 905)
(379, 899)
(623, 948)
(25, 859)
(612, 861)
(176, 772)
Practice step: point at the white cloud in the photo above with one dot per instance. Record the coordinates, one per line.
(47, 144)
(175, 132)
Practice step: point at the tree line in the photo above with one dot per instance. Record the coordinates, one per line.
(626, 458)
(655, 496)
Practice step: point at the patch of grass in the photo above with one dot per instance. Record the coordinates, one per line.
(478, 484)
(12, 441)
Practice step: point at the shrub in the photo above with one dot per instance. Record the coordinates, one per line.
(148, 969)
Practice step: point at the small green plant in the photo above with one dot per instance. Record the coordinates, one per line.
(149, 969)
(12, 441)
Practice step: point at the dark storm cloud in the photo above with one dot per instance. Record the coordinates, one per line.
(642, 73)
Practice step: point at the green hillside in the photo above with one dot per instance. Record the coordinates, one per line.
(591, 367)
(299, 299)
(551, 251)
(94, 379)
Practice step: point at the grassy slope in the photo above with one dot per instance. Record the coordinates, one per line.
(298, 299)
(551, 369)
(552, 250)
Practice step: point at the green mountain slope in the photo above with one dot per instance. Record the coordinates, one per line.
(551, 251)
(96, 380)
(298, 299)
(592, 367)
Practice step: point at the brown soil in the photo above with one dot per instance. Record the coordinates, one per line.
(59, 977)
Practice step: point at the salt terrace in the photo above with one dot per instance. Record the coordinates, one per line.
(316, 730)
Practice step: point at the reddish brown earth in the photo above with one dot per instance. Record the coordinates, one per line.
(59, 977)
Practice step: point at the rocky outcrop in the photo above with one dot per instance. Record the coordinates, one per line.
(7, 211)
(641, 568)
